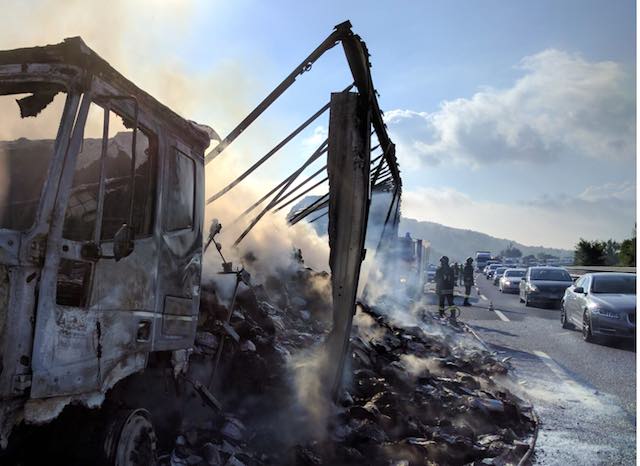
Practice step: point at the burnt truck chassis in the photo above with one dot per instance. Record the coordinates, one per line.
(140, 296)
(140, 311)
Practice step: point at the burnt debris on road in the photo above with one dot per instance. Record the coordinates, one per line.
(420, 393)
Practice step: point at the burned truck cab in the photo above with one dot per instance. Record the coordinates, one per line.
(101, 213)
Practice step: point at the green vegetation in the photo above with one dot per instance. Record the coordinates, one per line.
(511, 252)
(608, 252)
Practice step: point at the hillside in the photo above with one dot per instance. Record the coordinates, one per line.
(456, 243)
(459, 244)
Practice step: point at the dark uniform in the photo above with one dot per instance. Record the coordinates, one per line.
(467, 275)
(456, 273)
(444, 284)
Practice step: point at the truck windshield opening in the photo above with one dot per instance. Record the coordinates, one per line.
(29, 120)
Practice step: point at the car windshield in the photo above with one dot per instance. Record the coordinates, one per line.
(555, 275)
(29, 120)
(514, 273)
(500, 270)
(619, 284)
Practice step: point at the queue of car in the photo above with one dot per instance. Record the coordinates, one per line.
(599, 304)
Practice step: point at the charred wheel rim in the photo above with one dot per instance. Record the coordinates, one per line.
(132, 440)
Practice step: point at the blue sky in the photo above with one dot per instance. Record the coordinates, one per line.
(515, 118)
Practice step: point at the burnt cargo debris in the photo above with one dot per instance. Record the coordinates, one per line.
(418, 394)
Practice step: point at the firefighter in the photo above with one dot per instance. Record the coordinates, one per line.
(444, 284)
(467, 275)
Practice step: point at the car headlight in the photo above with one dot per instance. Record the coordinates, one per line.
(605, 313)
(532, 287)
(507, 282)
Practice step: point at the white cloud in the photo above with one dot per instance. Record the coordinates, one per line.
(320, 134)
(563, 105)
(599, 212)
(610, 191)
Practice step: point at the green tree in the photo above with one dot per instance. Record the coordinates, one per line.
(627, 252)
(528, 259)
(611, 251)
(511, 252)
(590, 252)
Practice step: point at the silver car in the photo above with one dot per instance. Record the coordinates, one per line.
(510, 280)
(601, 304)
(497, 274)
(492, 268)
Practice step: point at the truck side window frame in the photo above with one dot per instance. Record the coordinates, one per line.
(152, 153)
(175, 191)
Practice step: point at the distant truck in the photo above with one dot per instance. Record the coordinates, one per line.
(482, 258)
(412, 256)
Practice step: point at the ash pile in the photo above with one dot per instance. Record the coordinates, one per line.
(418, 390)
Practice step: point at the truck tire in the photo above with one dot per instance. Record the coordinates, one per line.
(131, 439)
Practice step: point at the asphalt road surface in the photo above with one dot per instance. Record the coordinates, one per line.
(583, 393)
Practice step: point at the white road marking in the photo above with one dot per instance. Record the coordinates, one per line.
(557, 370)
(483, 297)
(501, 315)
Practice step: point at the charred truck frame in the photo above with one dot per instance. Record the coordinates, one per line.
(101, 237)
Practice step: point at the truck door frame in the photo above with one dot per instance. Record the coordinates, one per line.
(63, 335)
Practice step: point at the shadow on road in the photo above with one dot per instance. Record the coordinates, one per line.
(625, 345)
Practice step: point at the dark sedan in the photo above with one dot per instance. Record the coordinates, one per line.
(544, 285)
(601, 304)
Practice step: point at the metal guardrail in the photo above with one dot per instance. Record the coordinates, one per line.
(583, 269)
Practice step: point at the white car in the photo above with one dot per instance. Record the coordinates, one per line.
(510, 280)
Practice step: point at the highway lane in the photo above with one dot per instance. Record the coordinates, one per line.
(584, 393)
(610, 366)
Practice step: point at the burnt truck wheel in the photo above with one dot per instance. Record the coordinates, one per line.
(131, 439)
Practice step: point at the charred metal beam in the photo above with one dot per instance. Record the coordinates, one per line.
(349, 170)
(301, 194)
(319, 151)
(321, 203)
(268, 155)
(383, 182)
(297, 216)
(262, 199)
(340, 31)
(319, 216)
(301, 184)
(357, 55)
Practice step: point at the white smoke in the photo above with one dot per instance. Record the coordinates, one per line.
(270, 246)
